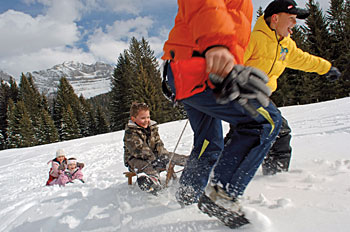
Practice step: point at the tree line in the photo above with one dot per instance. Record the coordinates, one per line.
(28, 118)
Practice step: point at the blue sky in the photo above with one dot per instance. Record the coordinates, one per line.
(37, 34)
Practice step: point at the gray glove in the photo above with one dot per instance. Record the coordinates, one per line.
(243, 83)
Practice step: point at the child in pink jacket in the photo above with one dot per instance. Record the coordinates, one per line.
(56, 163)
(70, 174)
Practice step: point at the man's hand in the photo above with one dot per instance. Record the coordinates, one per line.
(219, 61)
(242, 84)
(333, 74)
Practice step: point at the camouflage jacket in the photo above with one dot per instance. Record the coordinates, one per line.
(142, 143)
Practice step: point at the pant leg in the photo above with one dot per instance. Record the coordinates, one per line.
(278, 158)
(207, 146)
(246, 151)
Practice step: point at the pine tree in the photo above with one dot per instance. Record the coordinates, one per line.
(2, 141)
(88, 116)
(101, 122)
(339, 20)
(7, 92)
(4, 97)
(32, 100)
(14, 91)
(66, 97)
(121, 93)
(49, 131)
(20, 132)
(137, 78)
(318, 39)
(69, 128)
(259, 12)
(316, 31)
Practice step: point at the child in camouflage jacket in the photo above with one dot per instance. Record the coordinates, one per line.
(144, 151)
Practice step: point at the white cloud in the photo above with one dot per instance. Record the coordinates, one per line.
(66, 11)
(136, 27)
(29, 43)
(126, 6)
(107, 49)
(108, 45)
(21, 33)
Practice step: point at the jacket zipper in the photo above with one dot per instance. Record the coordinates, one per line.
(273, 64)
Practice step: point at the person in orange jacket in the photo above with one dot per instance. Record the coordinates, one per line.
(204, 53)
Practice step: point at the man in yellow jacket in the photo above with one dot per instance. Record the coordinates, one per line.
(272, 50)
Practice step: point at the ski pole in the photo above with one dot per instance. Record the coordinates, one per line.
(170, 166)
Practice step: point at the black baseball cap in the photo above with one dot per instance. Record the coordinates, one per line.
(286, 6)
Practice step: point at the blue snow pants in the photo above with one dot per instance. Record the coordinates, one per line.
(235, 164)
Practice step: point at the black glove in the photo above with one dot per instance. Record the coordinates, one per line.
(333, 74)
(243, 83)
(226, 89)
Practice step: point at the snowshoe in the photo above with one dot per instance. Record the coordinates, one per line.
(230, 218)
(222, 207)
(149, 184)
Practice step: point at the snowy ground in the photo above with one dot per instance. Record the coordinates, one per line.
(313, 196)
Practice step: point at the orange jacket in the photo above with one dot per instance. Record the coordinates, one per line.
(200, 24)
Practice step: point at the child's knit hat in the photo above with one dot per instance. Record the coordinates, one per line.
(60, 152)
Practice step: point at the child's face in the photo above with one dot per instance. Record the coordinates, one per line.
(71, 166)
(142, 119)
(60, 158)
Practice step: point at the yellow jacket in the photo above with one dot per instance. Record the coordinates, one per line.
(268, 54)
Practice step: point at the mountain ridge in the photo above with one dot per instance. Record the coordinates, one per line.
(87, 79)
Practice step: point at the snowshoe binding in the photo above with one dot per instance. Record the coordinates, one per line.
(150, 184)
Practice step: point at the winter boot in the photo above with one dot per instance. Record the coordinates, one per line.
(272, 165)
(215, 202)
(185, 195)
(149, 183)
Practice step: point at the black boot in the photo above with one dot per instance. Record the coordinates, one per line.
(149, 184)
(272, 165)
(185, 195)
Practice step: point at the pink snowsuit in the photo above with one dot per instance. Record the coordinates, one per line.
(53, 173)
(68, 176)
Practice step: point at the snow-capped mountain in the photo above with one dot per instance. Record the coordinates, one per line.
(4, 76)
(89, 80)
